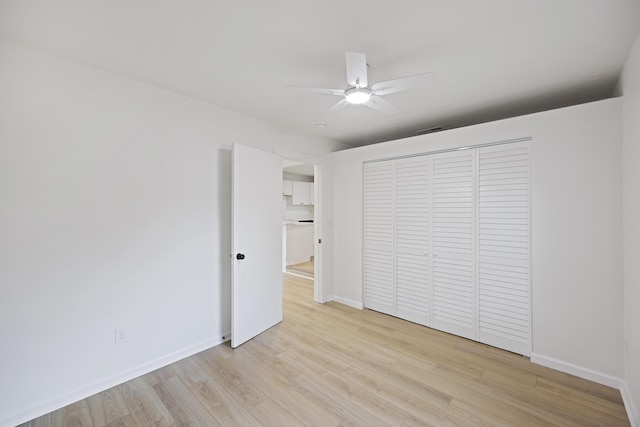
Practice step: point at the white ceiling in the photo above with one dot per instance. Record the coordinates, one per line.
(492, 58)
(297, 168)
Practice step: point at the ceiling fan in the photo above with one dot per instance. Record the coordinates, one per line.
(358, 91)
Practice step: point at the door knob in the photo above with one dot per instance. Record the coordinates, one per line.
(240, 256)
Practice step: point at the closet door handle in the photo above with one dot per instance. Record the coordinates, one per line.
(240, 256)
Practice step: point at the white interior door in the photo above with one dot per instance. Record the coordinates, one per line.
(256, 295)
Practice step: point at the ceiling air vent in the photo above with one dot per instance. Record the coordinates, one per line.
(429, 130)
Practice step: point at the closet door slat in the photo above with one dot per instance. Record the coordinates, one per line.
(453, 242)
(504, 318)
(413, 289)
(379, 262)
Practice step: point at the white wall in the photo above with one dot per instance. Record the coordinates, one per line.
(114, 212)
(630, 87)
(576, 226)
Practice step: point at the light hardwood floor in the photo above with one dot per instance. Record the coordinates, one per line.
(331, 365)
(304, 269)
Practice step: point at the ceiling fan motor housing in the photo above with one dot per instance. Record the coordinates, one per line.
(357, 95)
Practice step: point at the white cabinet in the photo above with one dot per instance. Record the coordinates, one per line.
(287, 187)
(299, 243)
(446, 242)
(302, 193)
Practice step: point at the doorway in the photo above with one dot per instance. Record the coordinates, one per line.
(301, 210)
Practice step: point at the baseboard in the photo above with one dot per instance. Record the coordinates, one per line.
(595, 376)
(43, 408)
(578, 371)
(301, 275)
(350, 303)
(632, 410)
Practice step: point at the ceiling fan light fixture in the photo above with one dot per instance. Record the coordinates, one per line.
(357, 95)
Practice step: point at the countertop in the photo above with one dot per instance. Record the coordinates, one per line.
(295, 222)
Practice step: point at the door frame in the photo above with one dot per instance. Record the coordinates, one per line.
(317, 234)
(318, 186)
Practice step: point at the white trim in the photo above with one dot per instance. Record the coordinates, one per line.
(578, 371)
(290, 273)
(448, 150)
(318, 253)
(350, 303)
(51, 405)
(632, 411)
(475, 207)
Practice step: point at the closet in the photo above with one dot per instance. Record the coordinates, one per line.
(446, 242)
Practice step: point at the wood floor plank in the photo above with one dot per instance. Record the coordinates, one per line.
(554, 406)
(423, 405)
(502, 403)
(272, 414)
(107, 406)
(247, 394)
(581, 397)
(461, 388)
(43, 421)
(185, 409)
(224, 408)
(159, 375)
(464, 414)
(265, 356)
(373, 370)
(125, 421)
(412, 421)
(382, 409)
(278, 387)
(306, 267)
(347, 411)
(144, 404)
(333, 365)
(598, 391)
(75, 415)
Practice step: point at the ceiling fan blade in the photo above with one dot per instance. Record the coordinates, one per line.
(337, 106)
(403, 83)
(380, 104)
(338, 92)
(356, 69)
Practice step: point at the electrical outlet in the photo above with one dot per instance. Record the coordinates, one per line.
(120, 336)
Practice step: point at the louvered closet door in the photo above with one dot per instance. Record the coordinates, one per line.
(503, 247)
(379, 263)
(413, 216)
(453, 243)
